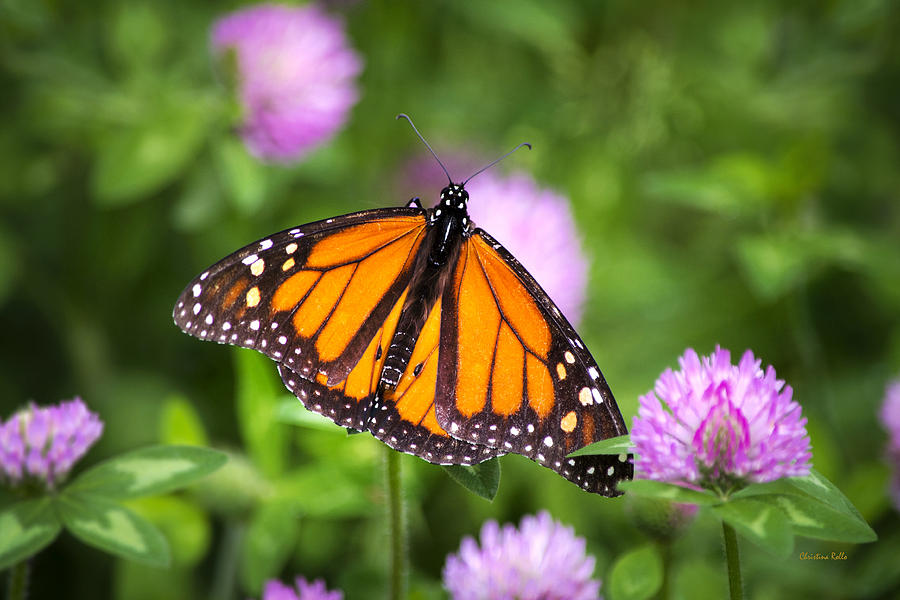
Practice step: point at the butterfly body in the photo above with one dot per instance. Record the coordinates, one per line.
(414, 325)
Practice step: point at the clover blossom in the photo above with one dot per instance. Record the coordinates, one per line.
(716, 425)
(41, 444)
(890, 418)
(303, 590)
(296, 76)
(541, 560)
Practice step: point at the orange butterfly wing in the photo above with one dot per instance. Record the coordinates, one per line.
(494, 367)
(515, 375)
(313, 297)
(324, 300)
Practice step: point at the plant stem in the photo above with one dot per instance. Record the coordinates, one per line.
(665, 550)
(18, 581)
(733, 559)
(396, 523)
(227, 561)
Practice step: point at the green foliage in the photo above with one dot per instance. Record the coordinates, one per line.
(666, 491)
(88, 506)
(762, 524)
(180, 424)
(271, 535)
(616, 445)
(770, 514)
(138, 160)
(257, 400)
(153, 470)
(636, 575)
(112, 528)
(25, 529)
(482, 479)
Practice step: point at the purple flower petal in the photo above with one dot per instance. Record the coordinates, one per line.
(715, 424)
(890, 418)
(43, 444)
(275, 590)
(296, 76)
(542, 560)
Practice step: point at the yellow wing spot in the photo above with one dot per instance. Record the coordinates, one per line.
(288, 265)
(252, 297)
(569, 422)
(291, 248)
(584, 396)
(570, 358)
(258, 266)
(560, 371)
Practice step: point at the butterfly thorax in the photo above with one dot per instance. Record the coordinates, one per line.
(450, 219)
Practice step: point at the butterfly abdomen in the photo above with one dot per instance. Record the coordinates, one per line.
(426, 287)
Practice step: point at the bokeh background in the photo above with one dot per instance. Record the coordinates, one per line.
(733, 173)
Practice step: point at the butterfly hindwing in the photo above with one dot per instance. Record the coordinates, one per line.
(404, 417)
(516, 376)
(348, 402)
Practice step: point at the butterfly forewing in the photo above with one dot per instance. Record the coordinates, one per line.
(311, 297)
(516, 376)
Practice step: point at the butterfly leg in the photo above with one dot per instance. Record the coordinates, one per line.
(414, 203)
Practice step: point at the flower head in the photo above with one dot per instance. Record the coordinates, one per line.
(890, 417)
(42, 444)
(303, 590)
(542, 560)
(721, 425)
(295, 73)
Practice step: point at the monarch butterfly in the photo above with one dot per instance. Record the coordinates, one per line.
(414, 325)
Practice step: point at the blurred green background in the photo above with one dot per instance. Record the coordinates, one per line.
(733, 170)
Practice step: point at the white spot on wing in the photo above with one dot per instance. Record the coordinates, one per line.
(584, 396)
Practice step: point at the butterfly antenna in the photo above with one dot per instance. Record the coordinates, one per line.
(413, 125)
(495, 162)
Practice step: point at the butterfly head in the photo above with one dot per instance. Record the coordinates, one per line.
(454, 197)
